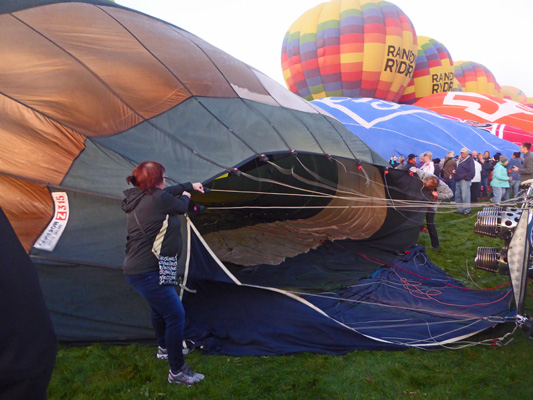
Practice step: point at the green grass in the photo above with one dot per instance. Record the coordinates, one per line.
(480, 372)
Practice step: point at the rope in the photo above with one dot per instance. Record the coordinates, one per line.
(413, 205)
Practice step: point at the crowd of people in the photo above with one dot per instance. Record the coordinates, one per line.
(467, 178)
(474, 175)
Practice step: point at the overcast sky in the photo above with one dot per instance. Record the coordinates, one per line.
(495, 33)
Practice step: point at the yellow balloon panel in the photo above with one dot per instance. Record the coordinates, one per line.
(350, 48)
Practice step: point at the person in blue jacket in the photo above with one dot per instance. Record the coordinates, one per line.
(463, 175)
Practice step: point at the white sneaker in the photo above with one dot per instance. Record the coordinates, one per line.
(185, 376)
(162, 353)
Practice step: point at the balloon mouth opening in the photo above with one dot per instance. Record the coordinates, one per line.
(278, 209)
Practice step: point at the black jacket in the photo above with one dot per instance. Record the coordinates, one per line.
(158, 214)
(487, 167)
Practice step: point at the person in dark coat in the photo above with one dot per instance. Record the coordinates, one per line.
(411, 162)
(463, 175)
(448, 166)
(28, 345)
(486, 168)
(437, 168)
(515, 161)
(153, 247)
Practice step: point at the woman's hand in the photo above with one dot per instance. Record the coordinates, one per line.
(198, 187)
(185, 193)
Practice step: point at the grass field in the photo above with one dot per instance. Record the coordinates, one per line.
(477, 372)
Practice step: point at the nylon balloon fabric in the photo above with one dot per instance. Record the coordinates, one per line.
(475, 77)
(434, 71)
(480, 108)
(514, 93)
(350, 48)
(401, 129)
(90, 89)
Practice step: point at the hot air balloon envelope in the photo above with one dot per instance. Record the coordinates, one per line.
(352, 48)
(434, 72)
(480, 108)
(298, 204)
(400, 129)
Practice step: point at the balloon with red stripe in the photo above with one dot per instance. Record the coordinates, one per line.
(434, 71)
(350, 48)
(476, 78)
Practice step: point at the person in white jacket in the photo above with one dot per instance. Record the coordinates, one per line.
(428, 165)
(475, 188)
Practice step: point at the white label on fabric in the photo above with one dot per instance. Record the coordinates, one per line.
(55, 228)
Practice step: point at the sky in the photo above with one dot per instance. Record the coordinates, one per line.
(495, 33)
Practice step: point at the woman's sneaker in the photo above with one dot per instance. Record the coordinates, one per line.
(185, 376)
(162, 353)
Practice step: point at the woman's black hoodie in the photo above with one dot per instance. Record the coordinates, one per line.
(158, 214)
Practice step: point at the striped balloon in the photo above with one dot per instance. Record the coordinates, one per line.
(350, 48)
(434, 72)
(513, 93)
(456, 85)
(475, 77)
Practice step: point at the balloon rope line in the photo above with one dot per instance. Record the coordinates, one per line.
(392, 306)
(425, 323)
(363, 196)
(386, 202)
(332, 186)
(291, 172)
(404, 203)
(351, 191)
(378, 261)
(294, 207)
(355, 199)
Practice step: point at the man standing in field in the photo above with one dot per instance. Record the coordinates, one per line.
(526, 172)
(463, 175)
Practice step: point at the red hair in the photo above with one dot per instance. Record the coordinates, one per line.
(147, 176)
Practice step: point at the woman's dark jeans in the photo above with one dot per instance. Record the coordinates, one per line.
(168, 315)
(485, 187)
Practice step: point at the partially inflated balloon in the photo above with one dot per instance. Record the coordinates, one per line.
(434, 72)
(399, 129)
(351, 48)
(515, 94)
(475, 77)
(480, 108)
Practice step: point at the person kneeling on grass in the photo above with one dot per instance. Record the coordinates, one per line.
(153, 247)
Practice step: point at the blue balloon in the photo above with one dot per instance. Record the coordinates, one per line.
(399, 129)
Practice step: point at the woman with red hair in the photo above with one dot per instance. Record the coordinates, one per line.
(152, 250)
